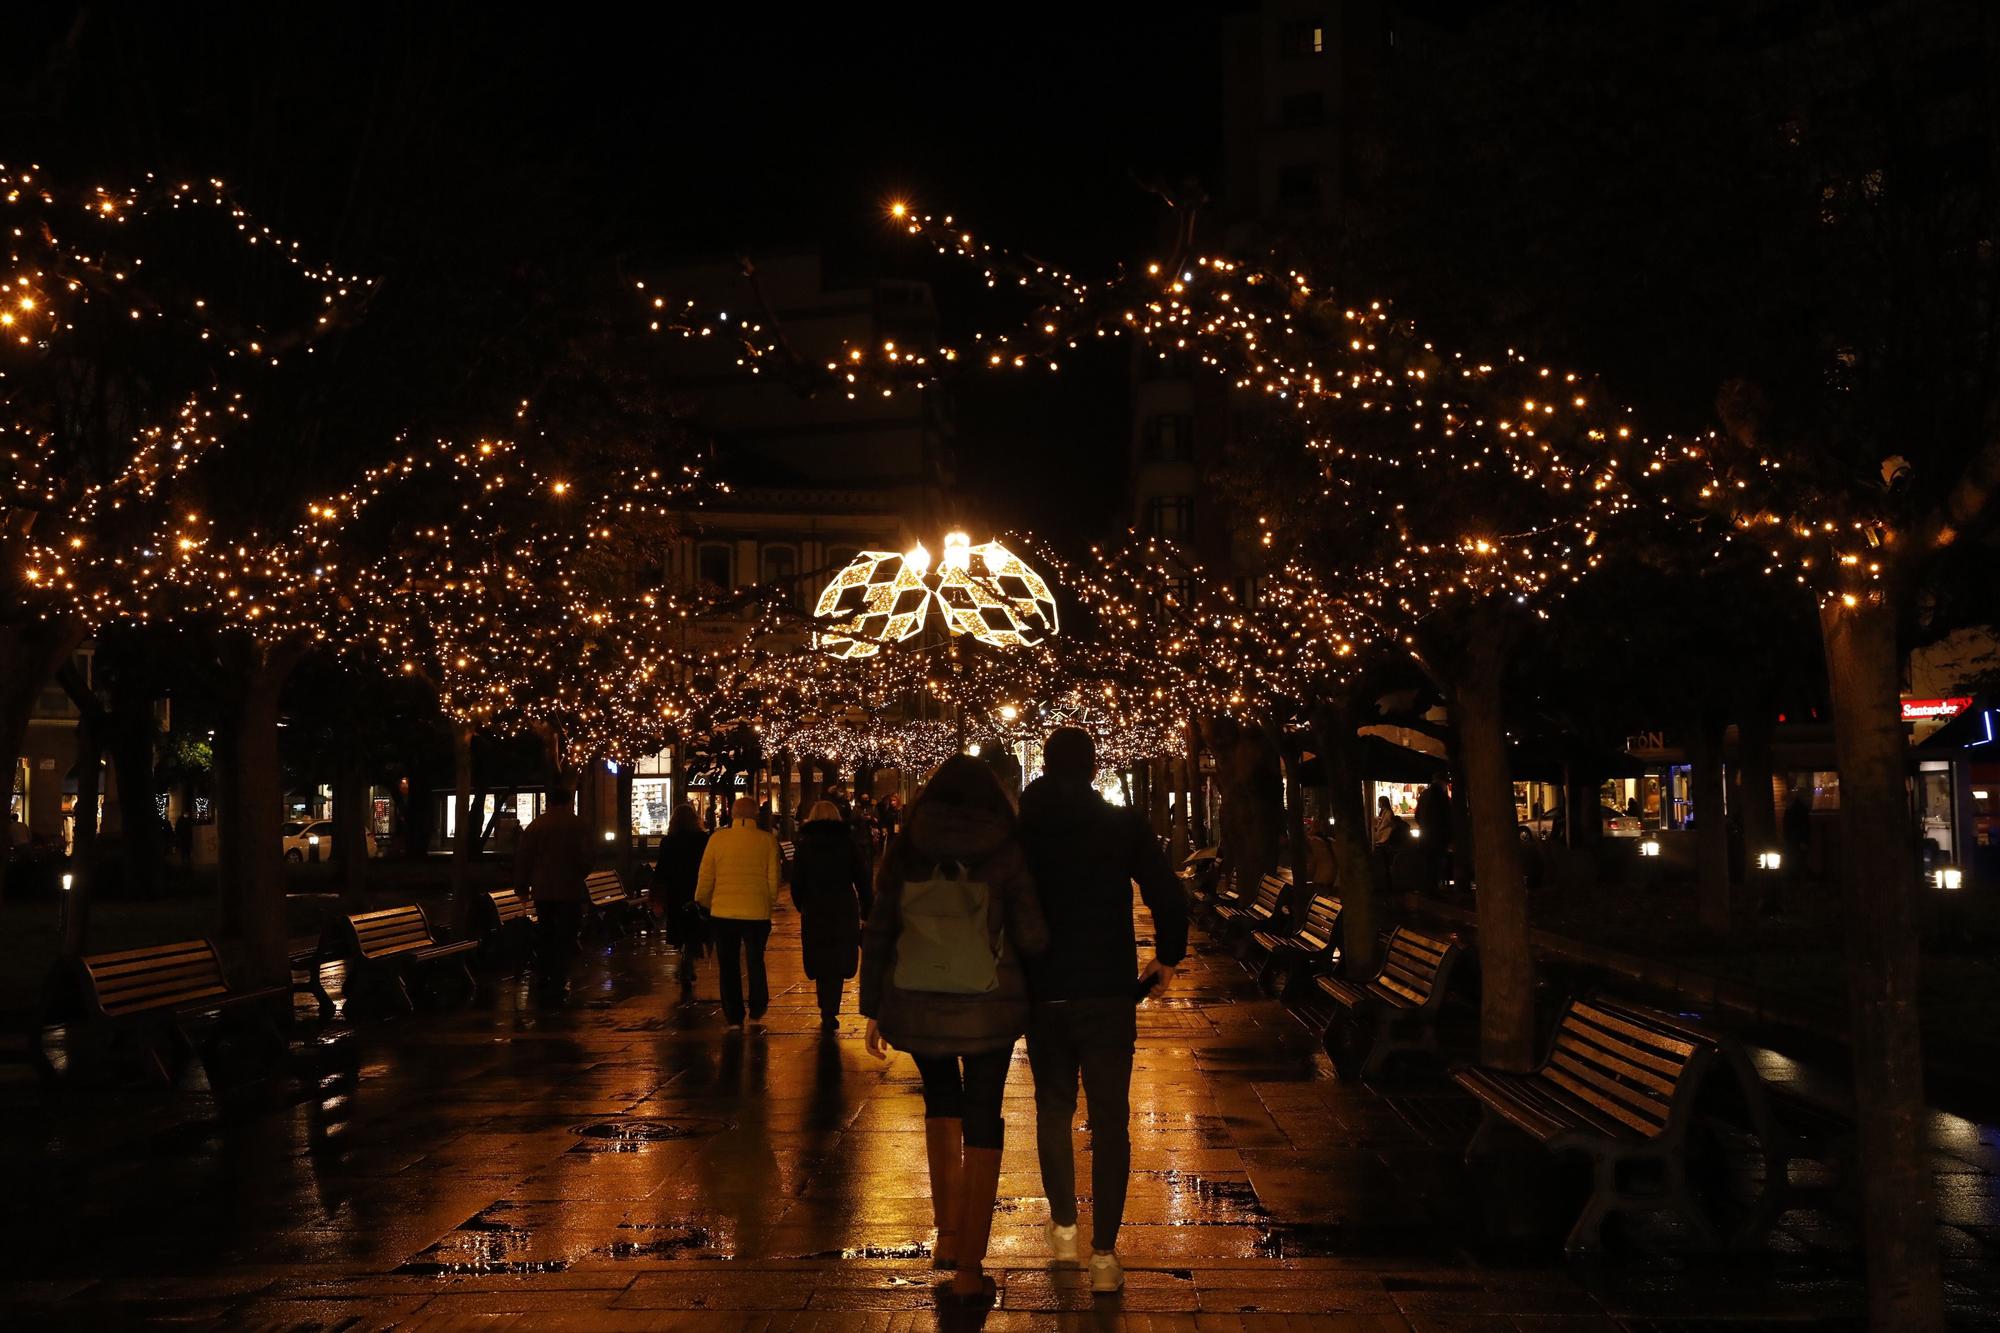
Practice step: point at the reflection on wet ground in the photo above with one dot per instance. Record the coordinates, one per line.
(628, 1163)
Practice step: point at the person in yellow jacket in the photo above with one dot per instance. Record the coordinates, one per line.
(737, 885)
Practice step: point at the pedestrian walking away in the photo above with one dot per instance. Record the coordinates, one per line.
(737, 886)
(941, 977)
(675, 875)
(551, 861)
(1085, 855)
(831, 889)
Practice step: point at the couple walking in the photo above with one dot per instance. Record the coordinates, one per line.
(988, 925)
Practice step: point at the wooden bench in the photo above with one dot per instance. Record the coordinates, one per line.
(1618, 1088)
(1296, 956)
(1238, 923)
(608, 907)
(505, 920)
(385, 950)
(1397, 1008)
(151, 1008)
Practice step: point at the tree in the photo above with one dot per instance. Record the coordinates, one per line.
(129, 321)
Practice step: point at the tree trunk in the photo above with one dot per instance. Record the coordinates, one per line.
(787, 809)
(250, 792)
(83, 858)
(464, 834)
(1878, 854)
(1181, 829)
(350, 828)
(1506, 967)
(1347, 802)
(621, 824)
(1198, 832)
(29, 654)
(1251, 789)
(1462, 850)
(1711, 829)
(133, 738)
(1760, 805)
(1291, 752)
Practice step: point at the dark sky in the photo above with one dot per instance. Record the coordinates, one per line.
(394, 138)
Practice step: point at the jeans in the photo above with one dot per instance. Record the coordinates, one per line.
(1092, 1038)
(556, 928)
(748, 937)
(971, 1094)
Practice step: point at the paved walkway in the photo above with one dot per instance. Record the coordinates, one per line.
(627, 1164)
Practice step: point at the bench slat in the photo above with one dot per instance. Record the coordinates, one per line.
(1594, 1039)
(1627, 1027)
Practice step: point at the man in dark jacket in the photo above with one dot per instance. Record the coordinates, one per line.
(1086, 854)
(551, 862)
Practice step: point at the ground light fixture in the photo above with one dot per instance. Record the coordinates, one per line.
(1649, 848)
(1770, 860)
(1948, 878)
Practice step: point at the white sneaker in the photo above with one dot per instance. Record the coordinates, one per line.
(1105, 1273)
(1062, 1243)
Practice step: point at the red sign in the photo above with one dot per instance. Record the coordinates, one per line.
(1930, 710)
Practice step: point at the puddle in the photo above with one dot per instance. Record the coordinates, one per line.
(872, 1252)
(648, 1129)
(660, 1247)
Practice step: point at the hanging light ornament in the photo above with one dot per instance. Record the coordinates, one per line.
(985, 592)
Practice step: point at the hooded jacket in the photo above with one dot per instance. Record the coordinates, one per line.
(830, 888)
(1085, 854)
(926, 1022)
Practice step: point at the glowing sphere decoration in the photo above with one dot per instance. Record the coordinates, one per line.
(985, 592)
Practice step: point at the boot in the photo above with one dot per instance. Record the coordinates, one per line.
(944, 1143)
(979, 1181)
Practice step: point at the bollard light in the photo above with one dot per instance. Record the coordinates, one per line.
(1416, 832)
(68, 879)
(1949, 878)
(610, 836)
(1650, 847)
(1769, 860)
(312, 839)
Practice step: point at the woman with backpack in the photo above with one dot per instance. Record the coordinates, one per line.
(941, 977)
(830, 887)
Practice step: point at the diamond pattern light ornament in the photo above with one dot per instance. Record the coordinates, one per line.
(985, 591)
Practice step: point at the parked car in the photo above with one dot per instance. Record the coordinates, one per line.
(1617, 824)
(302, 835)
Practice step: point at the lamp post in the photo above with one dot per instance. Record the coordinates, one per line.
(1769, 864)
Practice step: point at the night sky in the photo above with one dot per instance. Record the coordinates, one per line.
(397, 138)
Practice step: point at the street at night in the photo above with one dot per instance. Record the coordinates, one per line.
(1274, 664)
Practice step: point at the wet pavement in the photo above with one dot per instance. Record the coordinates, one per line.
(627, 1163)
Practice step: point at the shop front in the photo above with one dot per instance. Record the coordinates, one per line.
(1957, 759)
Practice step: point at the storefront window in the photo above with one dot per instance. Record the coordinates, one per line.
(652, 806)
(1934, 822)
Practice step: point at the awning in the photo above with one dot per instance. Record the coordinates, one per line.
(1975, 734)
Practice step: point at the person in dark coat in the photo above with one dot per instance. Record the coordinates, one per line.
(1085, 855)
(674, 877)
(962, 1043)
(831, 890)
